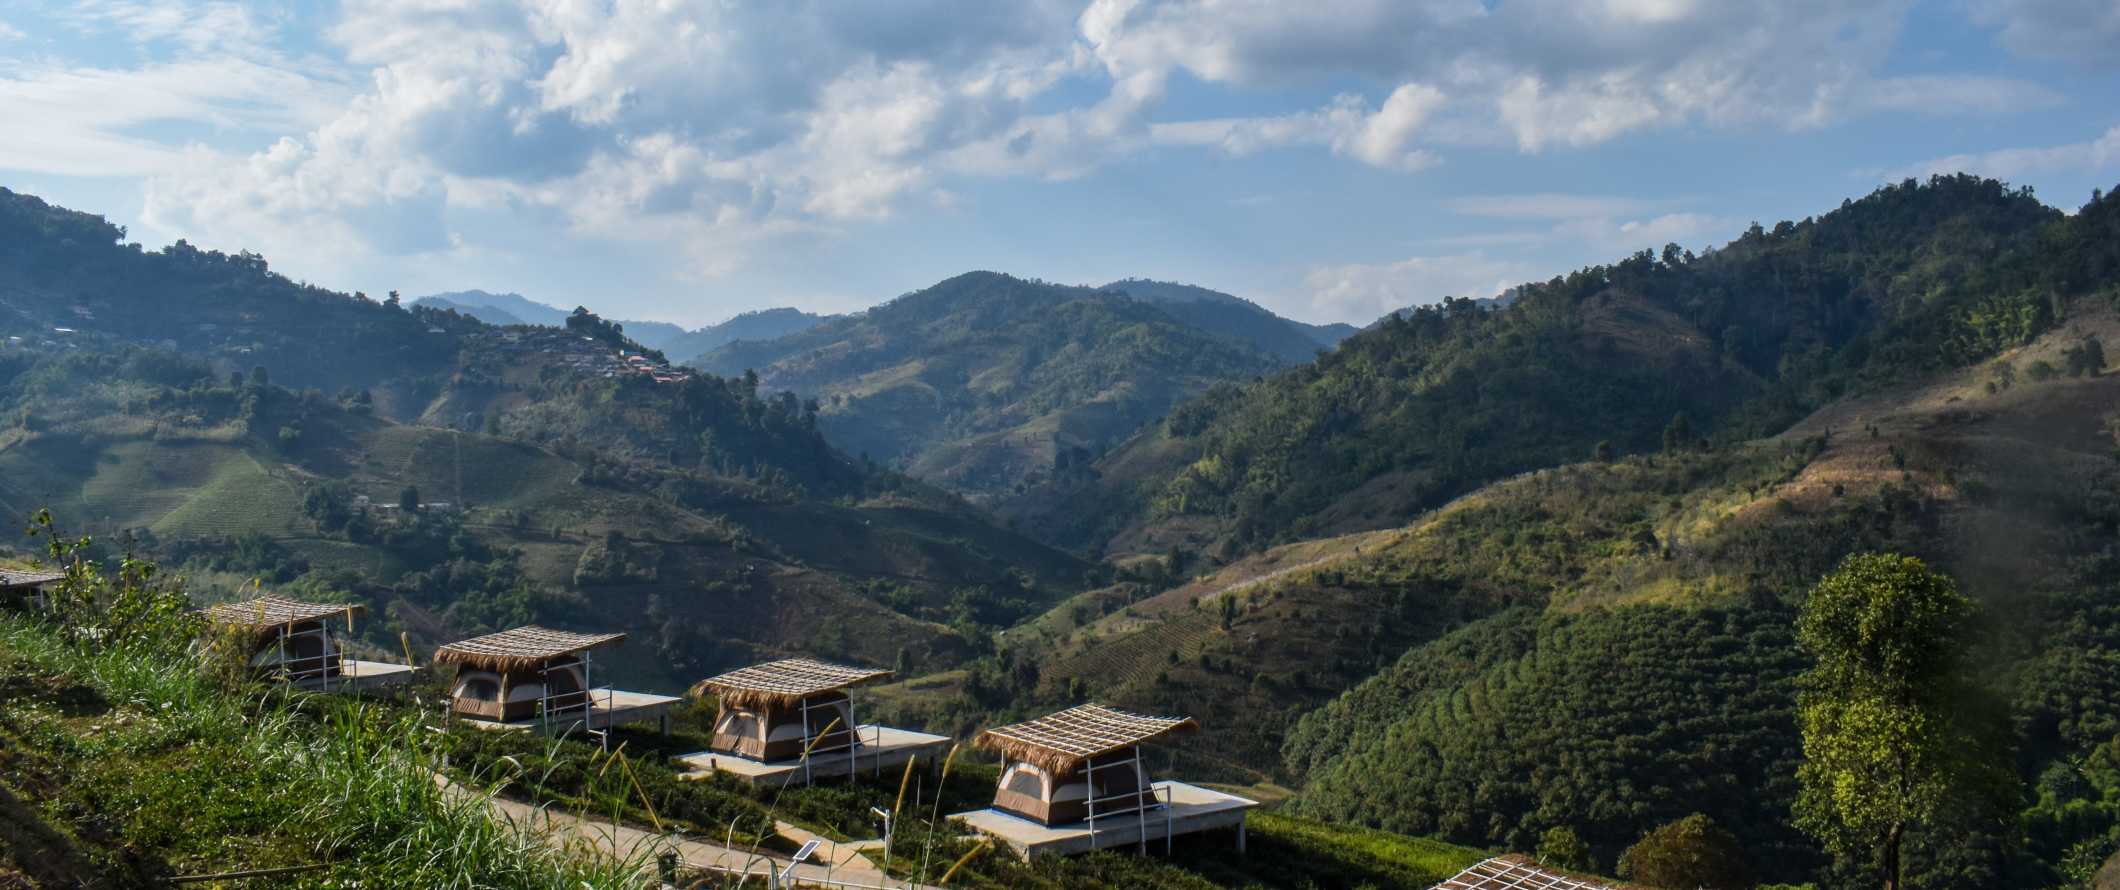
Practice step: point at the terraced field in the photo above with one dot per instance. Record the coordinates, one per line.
(241, 495)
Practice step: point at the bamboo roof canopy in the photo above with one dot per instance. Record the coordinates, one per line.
(269, 612)
(1513, 873)
(1064, 741)
(27, 577)
(784, 682)
(520, 648)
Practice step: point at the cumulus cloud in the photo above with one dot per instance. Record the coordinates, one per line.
(703, 122)
(1382, 138)
(1545, 72)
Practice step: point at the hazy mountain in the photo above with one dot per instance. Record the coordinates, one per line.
(760, 324)
(986, 383)
(670, 339)
(496, 309)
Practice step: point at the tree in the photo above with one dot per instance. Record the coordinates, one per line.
(1678, 434)
(258, 377)
(1693, 852)
(409, 499)
(1883, 736)
(1603, 452)
(2087, 357)
(1560, 847)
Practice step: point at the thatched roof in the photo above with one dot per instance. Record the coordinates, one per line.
(1061, 742)
(27, 577)
(522, 648)
(784, 682)
(1514, 873)
(270, 612)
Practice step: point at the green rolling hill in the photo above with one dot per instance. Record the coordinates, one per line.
(987, 384)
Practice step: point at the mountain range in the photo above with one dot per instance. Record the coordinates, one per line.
(1489, 572)
(516, 309)
(989, 384)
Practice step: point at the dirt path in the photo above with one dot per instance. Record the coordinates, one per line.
(833, 865)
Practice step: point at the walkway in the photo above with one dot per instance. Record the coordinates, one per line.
(833, 865)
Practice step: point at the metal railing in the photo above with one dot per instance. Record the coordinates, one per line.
(1158, 797)
(852, 746)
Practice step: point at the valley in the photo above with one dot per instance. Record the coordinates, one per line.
(1484, 574)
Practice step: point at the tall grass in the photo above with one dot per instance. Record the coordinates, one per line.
(215, 779)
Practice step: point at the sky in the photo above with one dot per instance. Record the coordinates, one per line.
(1331, 160)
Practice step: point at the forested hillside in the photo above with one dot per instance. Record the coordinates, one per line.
(987, 384)
(1209, 310)
(67, 276)
(1593, 650)
(1735, 343)
(460, 477)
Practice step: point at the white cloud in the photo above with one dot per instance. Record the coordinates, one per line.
(1545, 72)
(1383, 138)
(1369, 290)
(2085, 32)
(9, 32)
(719, 127)
(88, 121)
(2094, 156)
(217, 26)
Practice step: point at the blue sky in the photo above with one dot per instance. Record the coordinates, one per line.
(1330, 159)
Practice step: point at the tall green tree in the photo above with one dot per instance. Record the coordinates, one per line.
(1884, 738)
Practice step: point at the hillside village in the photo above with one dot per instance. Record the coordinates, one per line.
(585, 355)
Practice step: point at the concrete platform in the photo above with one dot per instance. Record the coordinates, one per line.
(882, 747)
(363, 676)
(607, 708)
(1191, 809)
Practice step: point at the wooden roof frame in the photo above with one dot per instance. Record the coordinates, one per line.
(1515, 873)
(521, 648)
(784, 682)
(269, 612)
(1064, 740)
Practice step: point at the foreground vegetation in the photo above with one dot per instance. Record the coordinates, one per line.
(126, 765)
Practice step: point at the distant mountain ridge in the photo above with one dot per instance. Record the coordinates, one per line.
(673, 340)
(985, 382)
(1428, 405)
(1212, 310)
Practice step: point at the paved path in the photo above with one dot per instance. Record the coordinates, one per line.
(834, 865)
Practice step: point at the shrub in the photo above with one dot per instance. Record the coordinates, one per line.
(1560, 848)
(1689, 853)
